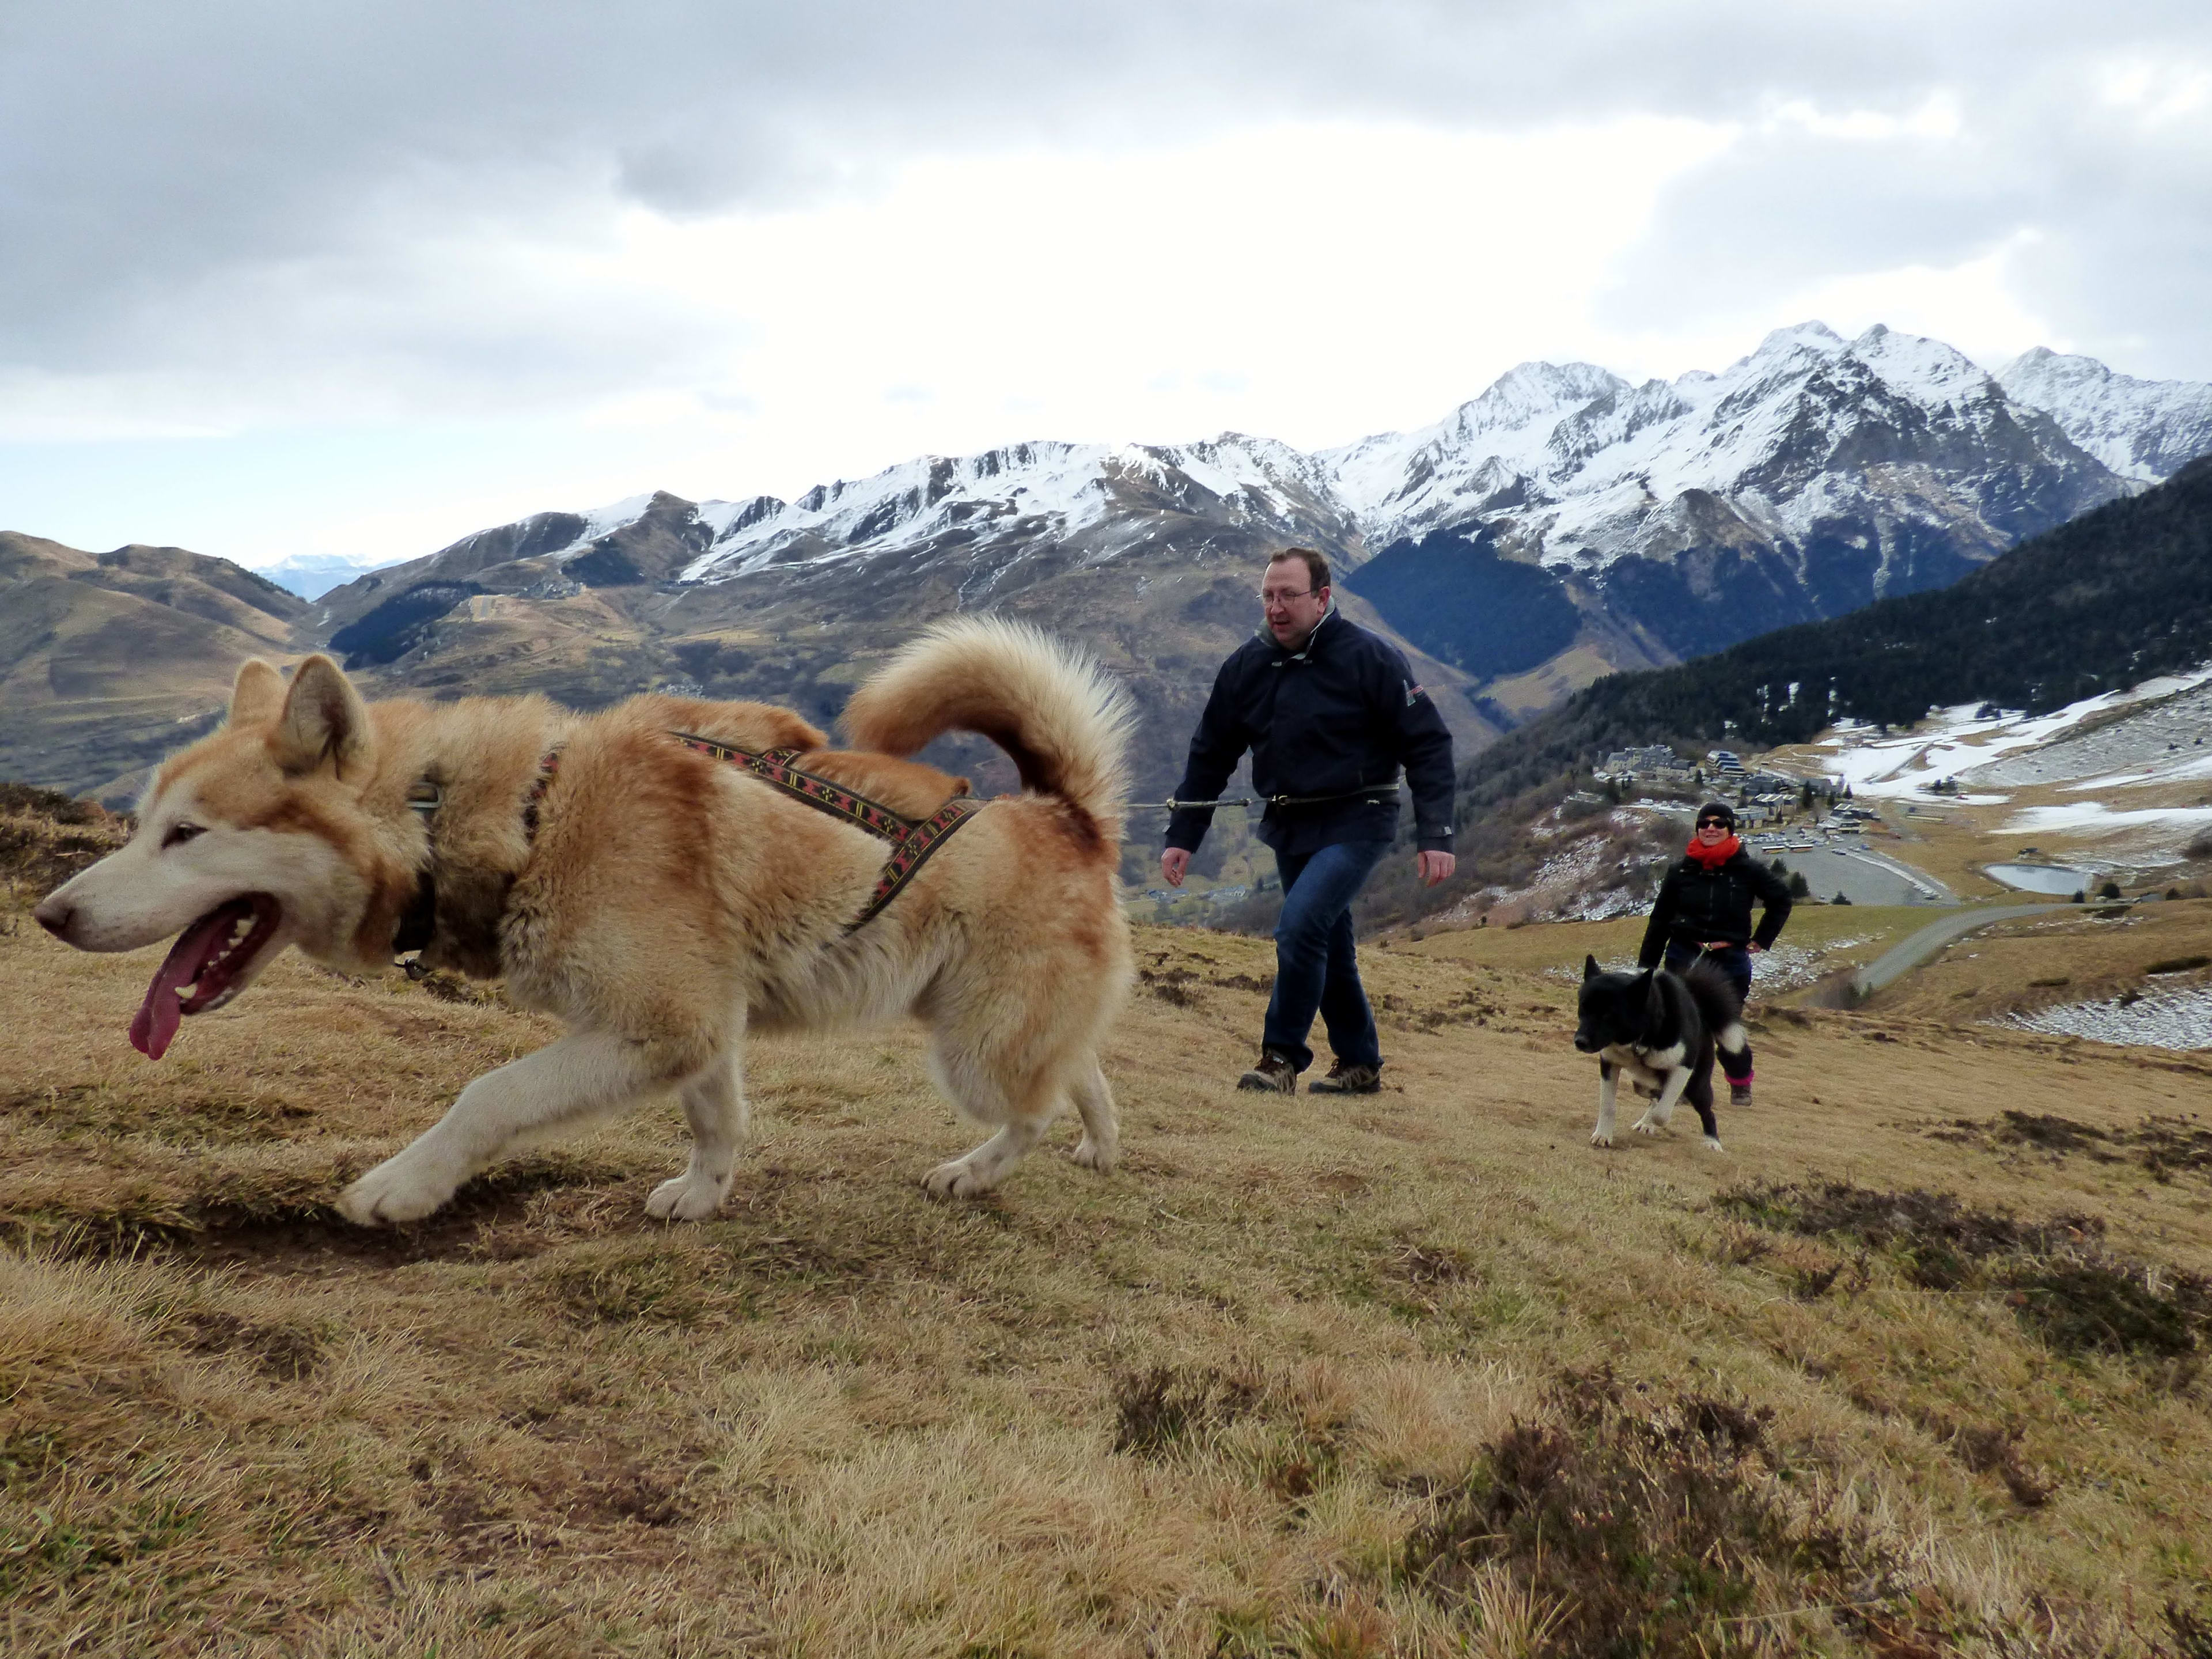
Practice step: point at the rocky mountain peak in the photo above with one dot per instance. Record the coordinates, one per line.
(2144, 430)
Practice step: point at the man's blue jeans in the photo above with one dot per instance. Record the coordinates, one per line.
(1315, 969)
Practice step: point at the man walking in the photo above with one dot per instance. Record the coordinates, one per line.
(1330, 713)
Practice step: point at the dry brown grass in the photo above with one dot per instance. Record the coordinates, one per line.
(1302, 1379)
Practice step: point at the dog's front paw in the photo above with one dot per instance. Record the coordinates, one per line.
(688, 1197)
(1645, 1125)
(1092, 1156)
(1601, 1138)
(959, 1179)
(1713, 1145)
(394, 1192)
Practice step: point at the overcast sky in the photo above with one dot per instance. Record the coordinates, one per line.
(321, 277)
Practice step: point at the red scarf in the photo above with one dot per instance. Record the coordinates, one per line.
(1713, 857)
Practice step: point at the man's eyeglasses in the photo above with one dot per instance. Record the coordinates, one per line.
(1272, 597)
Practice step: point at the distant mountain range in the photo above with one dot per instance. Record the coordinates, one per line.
(1564, 524)
(311, 575)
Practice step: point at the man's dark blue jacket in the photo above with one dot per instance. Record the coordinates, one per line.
(1336, 718)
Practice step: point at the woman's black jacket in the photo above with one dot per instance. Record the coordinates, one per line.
(1697, 905)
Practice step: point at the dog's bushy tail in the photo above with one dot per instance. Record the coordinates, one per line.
(1066, 725)
(1718, 1004)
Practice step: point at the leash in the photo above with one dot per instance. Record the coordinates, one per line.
(914, 841)
(1376, 793)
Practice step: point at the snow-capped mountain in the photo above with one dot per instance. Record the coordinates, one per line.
(1070, 492)
(1581, 468)
(2142, 430)
(1564, 524)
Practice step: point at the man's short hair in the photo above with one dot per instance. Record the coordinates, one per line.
(1316, 567)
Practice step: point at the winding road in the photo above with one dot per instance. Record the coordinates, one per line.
(1916, 948)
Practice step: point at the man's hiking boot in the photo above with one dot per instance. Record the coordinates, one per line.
(1343, 1079)
(1273, 1073)
(1739, 1094)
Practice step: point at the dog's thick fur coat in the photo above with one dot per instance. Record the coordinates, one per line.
(669, 903)
(1660, 1030)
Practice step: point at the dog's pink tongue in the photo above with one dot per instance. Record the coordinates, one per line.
(161, 1014)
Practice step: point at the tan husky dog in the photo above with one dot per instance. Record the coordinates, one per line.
(662, 902)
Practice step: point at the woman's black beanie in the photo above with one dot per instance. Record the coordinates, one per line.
(1717, 809)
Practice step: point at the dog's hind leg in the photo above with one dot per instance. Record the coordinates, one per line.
(1609, 1089)
(714, 1104)
(1010, 1089)
(1102, 1130)
(583, 1075)
(1700, 1095)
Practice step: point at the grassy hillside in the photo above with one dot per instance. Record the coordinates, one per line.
(1422, 1373)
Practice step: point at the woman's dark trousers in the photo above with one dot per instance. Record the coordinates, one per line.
(1735, 961)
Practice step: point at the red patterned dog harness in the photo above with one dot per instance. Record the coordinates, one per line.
(913, 840)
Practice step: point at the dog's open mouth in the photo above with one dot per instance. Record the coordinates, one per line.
(204, 969)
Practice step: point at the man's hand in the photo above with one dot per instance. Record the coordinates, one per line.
(1174, 864)
(1433, 867)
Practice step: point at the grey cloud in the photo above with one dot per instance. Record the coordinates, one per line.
(2102, 214)
(163, 163)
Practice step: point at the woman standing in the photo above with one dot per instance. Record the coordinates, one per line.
(1703, 910)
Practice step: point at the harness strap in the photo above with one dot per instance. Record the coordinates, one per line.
(913, 841)
(774, 766)
(912, 851)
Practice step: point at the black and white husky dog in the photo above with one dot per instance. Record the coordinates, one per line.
(1660, 1029)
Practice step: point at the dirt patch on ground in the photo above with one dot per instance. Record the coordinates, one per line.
(2163, 1146)
(1654, 1522)
(2058, 1276)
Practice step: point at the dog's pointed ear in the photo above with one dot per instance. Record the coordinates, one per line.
(324, 721)
(257, 694)
(1590, 968)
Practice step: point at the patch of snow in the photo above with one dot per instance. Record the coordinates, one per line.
(1961, 744)
(2095, 817)
(2175, 1019)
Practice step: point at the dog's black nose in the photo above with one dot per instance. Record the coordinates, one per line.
(54, 918)
(1584, 1046)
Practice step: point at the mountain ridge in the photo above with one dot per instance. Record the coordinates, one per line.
(1810, 477)
(1563, 524)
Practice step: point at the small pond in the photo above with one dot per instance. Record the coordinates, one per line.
(2053, 878)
